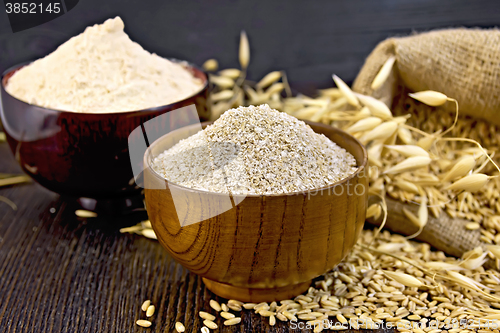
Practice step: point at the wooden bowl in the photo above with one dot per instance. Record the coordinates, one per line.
(258, 247)
(85, 154)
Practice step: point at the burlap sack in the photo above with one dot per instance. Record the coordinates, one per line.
(462, 63)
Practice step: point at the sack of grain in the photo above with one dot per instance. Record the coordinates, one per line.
(461, 63)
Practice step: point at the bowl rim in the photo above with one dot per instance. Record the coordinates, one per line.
(185, 63)
(361, 168)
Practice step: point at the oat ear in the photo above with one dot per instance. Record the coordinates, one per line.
(346, 91)
(383, 74)
(244, 53)
(211, 65)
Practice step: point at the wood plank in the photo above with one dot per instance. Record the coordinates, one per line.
(310, 40)
(60, 273)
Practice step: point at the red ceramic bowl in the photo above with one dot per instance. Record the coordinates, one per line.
(82, 154)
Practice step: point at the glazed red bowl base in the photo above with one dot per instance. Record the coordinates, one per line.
(86, 155)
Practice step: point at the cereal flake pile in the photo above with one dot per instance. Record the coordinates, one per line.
(255, 150)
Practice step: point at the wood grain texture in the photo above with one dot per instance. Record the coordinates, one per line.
(62, 274)
(265, 248)
(310, 40)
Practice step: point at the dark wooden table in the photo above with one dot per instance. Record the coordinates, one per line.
(60, 273)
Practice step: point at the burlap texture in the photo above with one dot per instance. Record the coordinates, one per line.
(443, 233)
(462, 63)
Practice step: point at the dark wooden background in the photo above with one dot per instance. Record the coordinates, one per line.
(309, 39)
(59, 273)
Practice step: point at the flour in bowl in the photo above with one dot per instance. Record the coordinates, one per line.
(255, 150)
(102, 70)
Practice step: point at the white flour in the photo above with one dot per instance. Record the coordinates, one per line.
(102, 70)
